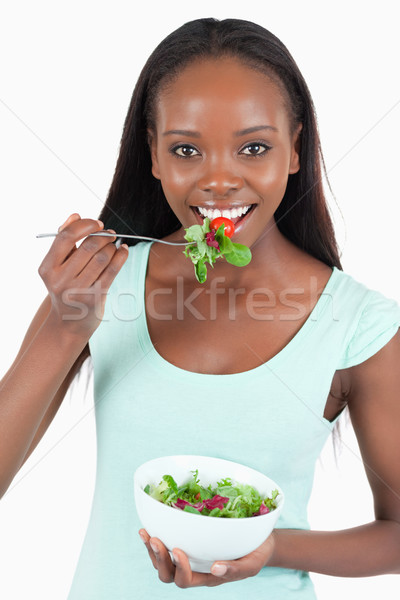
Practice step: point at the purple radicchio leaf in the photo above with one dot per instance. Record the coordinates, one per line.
(263, 510)
(211, 241)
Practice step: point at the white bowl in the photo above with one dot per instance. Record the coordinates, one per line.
(204, 539)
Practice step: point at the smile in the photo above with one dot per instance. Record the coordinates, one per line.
(234, 214)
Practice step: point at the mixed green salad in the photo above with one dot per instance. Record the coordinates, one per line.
(227, 499)
(212, 241)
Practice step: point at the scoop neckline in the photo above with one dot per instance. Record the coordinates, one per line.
(162, 364)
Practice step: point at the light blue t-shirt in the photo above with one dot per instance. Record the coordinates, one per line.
(269, 418)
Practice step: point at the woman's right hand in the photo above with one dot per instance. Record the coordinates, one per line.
(78, 279)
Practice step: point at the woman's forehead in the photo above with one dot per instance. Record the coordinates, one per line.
(219, 77)
(221, 90)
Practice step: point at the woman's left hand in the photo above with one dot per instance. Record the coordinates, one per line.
(221, 572)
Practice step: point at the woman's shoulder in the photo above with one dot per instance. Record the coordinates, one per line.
(375, 317)
(356, 291)
(364, 318)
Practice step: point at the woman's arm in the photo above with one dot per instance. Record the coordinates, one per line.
(37, 322)
(374, 548)
(32, 390)
(371, 549)
(33, 387)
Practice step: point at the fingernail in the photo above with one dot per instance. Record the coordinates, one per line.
(219, 570)
(101, 224)
(142, 537)
(176, 559)
(154, 547)
(111, 230)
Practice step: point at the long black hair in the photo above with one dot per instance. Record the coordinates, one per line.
(136, 202)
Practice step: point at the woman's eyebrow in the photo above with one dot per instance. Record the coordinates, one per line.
(253, 129)
(182, 132)
(197, 134)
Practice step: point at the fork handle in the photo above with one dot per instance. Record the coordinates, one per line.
(137, 237)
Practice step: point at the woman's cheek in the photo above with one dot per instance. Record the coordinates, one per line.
(175, 178)
(272, 176)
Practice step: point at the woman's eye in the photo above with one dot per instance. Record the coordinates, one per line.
(184, 151)
(255, 149)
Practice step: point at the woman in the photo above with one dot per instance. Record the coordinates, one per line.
(220, 119)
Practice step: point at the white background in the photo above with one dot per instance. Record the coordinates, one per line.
(68, 71)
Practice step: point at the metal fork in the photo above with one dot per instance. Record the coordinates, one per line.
(122, 235)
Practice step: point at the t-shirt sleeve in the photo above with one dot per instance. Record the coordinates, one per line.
(378, 323)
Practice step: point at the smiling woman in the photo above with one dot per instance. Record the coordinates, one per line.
(206, 55)
(223, 120)
(220, 121)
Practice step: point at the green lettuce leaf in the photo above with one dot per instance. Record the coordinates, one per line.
(201, 253)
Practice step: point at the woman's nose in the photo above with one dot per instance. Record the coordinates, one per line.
(219, 181)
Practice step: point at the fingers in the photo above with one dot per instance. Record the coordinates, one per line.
(73, 230)
(180, 573)
(78, 278)
(104, 266)
(146, 540)
(221, 571)
(183, 572)
(186, 578)
(159, 557)
(84, 265)
(92, 257)
(97, 255)
(71, 218)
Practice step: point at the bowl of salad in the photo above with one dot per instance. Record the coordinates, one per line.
(211, 508)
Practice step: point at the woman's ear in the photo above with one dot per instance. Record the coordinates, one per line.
(152, 141)
(295, 153)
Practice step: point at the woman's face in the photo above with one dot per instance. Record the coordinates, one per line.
(222, 142)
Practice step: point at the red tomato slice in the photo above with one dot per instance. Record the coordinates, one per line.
(229, 228)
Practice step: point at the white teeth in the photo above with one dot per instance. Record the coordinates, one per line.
(216, 213)
(228, 213)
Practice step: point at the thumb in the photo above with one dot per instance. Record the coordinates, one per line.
(246, 566)
(234, 570)
(71, 218)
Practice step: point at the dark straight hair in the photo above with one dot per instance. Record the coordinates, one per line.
(136, 202)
